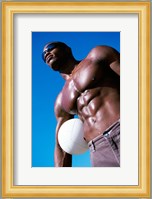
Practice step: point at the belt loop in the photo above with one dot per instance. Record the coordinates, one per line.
(93, 146)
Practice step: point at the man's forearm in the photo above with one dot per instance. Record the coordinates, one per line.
(62, 159)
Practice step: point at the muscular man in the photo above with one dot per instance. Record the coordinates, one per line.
(92, 91)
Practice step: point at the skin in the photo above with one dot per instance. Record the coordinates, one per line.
(91, 90)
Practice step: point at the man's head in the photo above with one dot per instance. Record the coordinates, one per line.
(56, 55)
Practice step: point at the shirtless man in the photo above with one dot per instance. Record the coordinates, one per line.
(92, 91)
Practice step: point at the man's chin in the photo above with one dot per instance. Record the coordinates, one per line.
(54, 67)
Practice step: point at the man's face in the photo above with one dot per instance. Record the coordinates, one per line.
(55, 57)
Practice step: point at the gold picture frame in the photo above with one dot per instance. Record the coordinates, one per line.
(9, 9)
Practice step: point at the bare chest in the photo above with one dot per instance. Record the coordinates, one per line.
(86, 83)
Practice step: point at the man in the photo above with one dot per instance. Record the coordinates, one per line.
(92, 91)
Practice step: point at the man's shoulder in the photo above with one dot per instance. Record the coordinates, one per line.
(101, 52)
(58, 108)
(58, 99)
(58, 104)
(101, 47)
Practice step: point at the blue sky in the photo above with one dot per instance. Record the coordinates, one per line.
(46, 84)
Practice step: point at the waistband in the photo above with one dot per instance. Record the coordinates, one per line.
(109, 131)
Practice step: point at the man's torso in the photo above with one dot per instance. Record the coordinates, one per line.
(93, 92)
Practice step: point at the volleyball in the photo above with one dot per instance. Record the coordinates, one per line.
(70, 137)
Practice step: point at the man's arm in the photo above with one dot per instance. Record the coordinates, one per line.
(61, 158)
(107, 55)
(100, 61)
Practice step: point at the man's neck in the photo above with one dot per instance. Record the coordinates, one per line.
(69, 68)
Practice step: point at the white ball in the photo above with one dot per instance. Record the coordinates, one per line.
(70, 137)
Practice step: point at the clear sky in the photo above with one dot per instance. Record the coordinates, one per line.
(46, 84)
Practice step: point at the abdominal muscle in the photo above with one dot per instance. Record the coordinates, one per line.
(98, 108)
